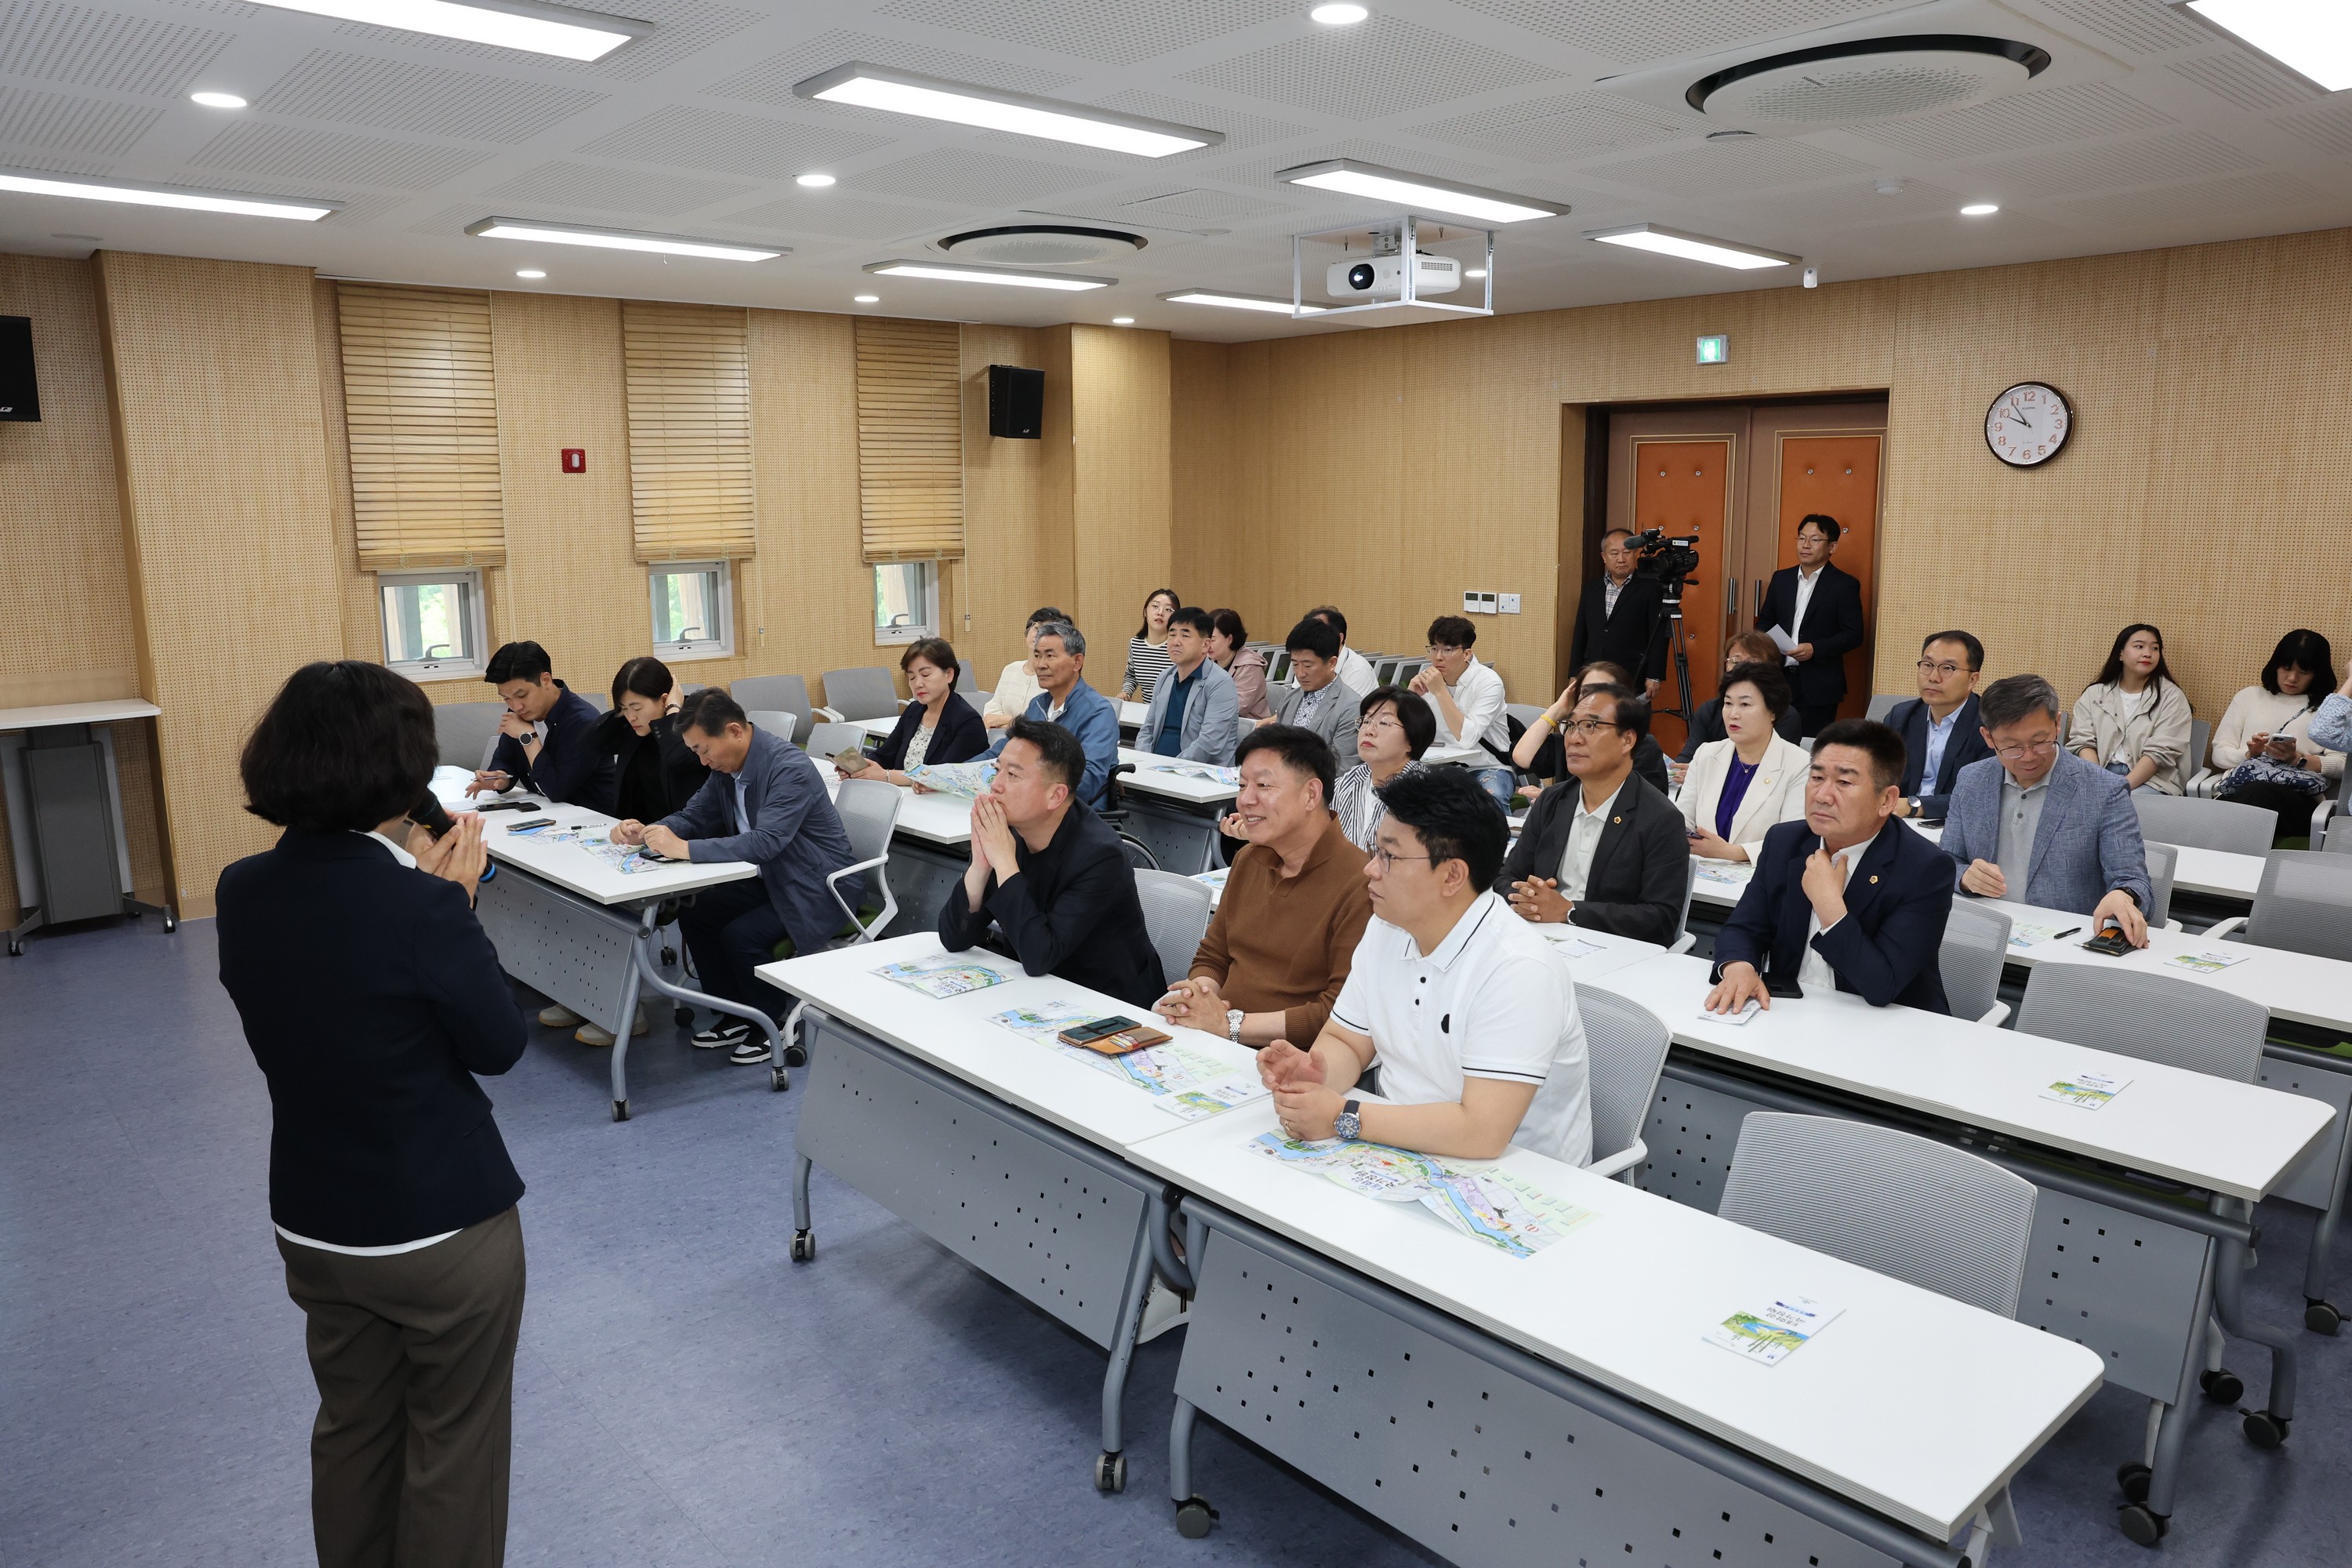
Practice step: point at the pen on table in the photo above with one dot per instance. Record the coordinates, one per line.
(2070, 930)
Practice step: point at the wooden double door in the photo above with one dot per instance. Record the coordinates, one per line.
(1739, 478)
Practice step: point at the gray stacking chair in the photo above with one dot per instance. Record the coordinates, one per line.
(1922, 1212)
(1882, 703)
(777, 693)
(2302, 904)
(1624, 1049)
(776, 723)
(1176, 913)
(2223, 825)
(1976, 945)
(864, 692)
(2339, 843)
(2330, 813)
(832, 739)
(2202, 779)
(466, 732)
(1685, 938)
(869, 814)
(2161, 860)
(2155, 1017)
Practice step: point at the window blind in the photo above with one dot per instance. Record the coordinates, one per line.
(690, 377)
(421, 412)
(909, 439)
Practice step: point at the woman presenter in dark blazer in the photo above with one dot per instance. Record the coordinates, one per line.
(371, 999)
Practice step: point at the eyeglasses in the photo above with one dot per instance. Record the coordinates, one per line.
(1439, 650)
(1387, 862)
(1591, 726)
(2017, 750)
(1382, 722)
(1946, 669)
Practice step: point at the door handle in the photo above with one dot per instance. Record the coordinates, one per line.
(1760, 596)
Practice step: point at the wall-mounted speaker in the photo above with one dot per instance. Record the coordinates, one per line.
(1016, 402)
(20, 394)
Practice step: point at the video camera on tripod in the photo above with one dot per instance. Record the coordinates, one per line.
(1669, 563)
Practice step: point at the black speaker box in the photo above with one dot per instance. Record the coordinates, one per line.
(1016, 402)
(20, 395)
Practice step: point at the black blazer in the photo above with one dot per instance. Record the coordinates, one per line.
(676, 771)
(570, 769)
(1072, 912)
(1641, 867)
(1635, 636)
(1706, 725)
(1832, 624)
(1648, 762)
(1966, 745)
(1888, 948)
(371, 999)
(959, 737)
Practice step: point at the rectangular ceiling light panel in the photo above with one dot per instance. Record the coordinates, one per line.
(1238, 302)
(1417, 192)
(1010, 277)
(934, 98)
(505, 24)
(31, 183)
(620, 239)
(1673, 242)
(2312, 38)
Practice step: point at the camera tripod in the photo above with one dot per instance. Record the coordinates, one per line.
(1670, 610)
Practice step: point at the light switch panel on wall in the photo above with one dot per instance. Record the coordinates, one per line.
(1510, 603)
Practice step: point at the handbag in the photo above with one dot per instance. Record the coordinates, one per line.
(2263, 771)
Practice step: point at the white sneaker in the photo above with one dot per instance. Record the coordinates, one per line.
(1163, 1309)
(597, 1034)
(558, 1016)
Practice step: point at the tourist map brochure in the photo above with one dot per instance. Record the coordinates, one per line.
(1175, 1068)
(955, 778)
(944, 975)
(2206, 963)
(1724, 874)
(1747, 1015)
(1571, 947)
(2088, 1090)
(1209, 771)
(2033, 934)
(1486, 1204)
(1199, 1104)
(1770, 1334)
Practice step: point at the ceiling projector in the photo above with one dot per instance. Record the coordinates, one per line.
(1382, 276)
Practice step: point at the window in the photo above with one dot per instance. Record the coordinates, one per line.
(432, 623)
(906, 601)
(693, 604)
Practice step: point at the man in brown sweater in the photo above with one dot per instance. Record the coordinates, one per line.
(1294, 903)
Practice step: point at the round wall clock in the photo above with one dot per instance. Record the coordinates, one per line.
(2028, 424)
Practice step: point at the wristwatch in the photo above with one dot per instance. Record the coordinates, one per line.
(1234, 1016)
(1347, 1123)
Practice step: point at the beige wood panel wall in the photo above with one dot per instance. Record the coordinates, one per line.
(221, 451)
(1015, 557)
(808, 596)
(1121, 496)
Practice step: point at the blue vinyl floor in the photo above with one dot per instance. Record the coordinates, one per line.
(684, 1396)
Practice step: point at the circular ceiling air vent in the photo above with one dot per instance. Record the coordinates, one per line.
(1041, 245)
(1866, 80)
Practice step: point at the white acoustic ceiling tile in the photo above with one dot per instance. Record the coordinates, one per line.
(734, 143)
(770, 81)
(1197, 205)
(57, 163)
(845, 217)
(2176, 205)
(2074, 113)
(971, 179)
(1632, 34)
(1722, 168)
(2329, 128)
(362, 212)
(2149, 161)
(1861, 204)
(326, 158)
(1260, 172)
(2136, 26)
(450, 222)
(2243, 80)
(1116, 32)
(1239, 130)
(681, 28)
(103, 49)
(1559, 130)
(581, 185)
(60, 125)
(1377, 69)
(399, 95)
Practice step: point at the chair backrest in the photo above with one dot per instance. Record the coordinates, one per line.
(1976, 945)
(975, 697)
(2338, 841)
(2303, 903)
(966, 676)
(2225, 825)
(1690, 886)
(832, 739)
(1937, 1217)
(774, 720)
(869, 814)
(864, 692)
(1882, 703)
(2155, 1017)
(1527, 713)
(2201, 741)
(599, 701)
(466, 732)
(1625, 1049)
(2161, 860)
(1176, 913)
(1278, 665)
(777, 693)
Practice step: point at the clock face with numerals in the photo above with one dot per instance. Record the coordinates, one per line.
(2028, 423)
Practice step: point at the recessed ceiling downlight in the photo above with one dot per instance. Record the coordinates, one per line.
(1041, 245)
(1863, 80)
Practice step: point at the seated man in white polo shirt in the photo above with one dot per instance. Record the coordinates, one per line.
(1478, 1043)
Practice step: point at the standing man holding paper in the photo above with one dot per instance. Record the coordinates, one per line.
(1813, 610)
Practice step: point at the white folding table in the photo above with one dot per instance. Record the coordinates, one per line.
(1173, 809)
(92, 852)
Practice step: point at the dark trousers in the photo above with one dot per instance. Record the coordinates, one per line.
(413, 1356)
(732, 928)
(1817, 717)
(2293, 805)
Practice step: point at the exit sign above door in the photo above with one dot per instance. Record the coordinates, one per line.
(1715, 350)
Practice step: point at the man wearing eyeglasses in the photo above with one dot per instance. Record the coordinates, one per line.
(1467, 698)
(1601, 849)
(1939, 727)
(2037, 825)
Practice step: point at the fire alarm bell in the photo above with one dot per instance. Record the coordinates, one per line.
(575, 460)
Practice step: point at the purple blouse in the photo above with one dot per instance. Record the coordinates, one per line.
(1735, 790)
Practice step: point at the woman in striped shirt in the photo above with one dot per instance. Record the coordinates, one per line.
(1147, 651)
(1397, 727)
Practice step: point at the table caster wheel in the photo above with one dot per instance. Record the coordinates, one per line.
(2141, 1527)
(778, 1079)
(685, 1016)
(795, 1055)
(2222, 1386)
(170, 924)
(1110, 1472)
(620, 1110)
(803, 1246)
(2264, 1430)
(2134, 1478)
(2322, 1319)
(1193, 1517)
(16, 948)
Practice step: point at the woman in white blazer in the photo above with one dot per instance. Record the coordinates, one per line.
(1740, 787)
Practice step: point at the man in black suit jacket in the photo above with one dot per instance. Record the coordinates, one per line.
(1618, 619)
(1603, 849)
(1820, 606)
(1849, 898)
(1941, 730)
